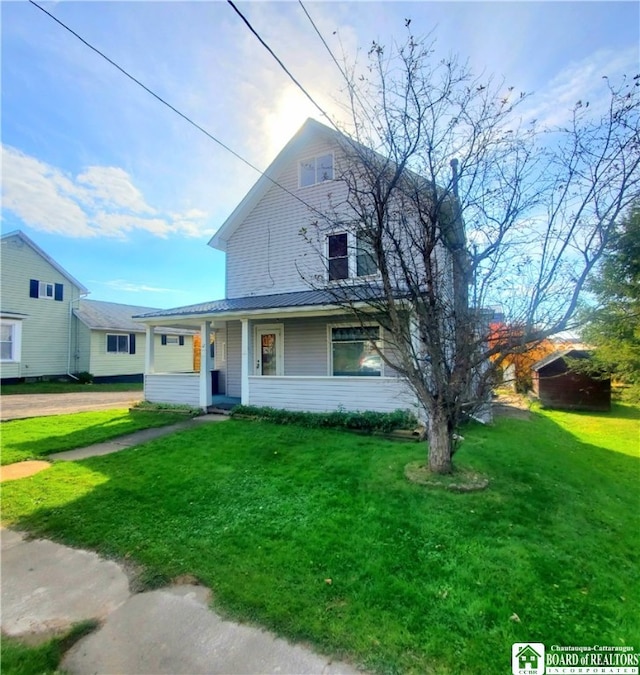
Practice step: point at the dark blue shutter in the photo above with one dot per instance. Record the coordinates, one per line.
(58, 292)
(34, 288)
(181, 340)
(163, 339)
(132, 343)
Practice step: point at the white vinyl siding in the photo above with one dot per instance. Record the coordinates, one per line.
(267, 252)
(167, 359)
(179, 388)
(46, 329)
(233, 364)
(322, 394)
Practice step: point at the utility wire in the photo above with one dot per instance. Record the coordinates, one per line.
(175, 110)
(343, 72)
(281, 64)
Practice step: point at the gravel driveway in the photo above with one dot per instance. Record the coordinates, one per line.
(19, 406)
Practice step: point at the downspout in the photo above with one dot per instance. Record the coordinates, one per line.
(69, 373)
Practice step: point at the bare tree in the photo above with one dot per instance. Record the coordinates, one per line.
(454, 206)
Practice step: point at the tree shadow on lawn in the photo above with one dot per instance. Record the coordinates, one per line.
(331, 544)
(46, 441)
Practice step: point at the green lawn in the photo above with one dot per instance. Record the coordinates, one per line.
(65, 387)
(317, 535)
(37, 437)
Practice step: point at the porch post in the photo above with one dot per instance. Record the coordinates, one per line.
(149, 352)
(244, 368)
(205, 365)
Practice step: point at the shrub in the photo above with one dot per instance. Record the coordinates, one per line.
(147, 406)
(84, 377)
(369, 421)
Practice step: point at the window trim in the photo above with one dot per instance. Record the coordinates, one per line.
(16, 340)
(131, 343)
(314, 158)
(352, 259)
(352, 324)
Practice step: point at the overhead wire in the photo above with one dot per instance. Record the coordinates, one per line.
(176, 110)
(281, 64)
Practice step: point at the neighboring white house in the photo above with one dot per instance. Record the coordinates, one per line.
(37, 298)
(49, 330)
(279, 343)
(109, 344)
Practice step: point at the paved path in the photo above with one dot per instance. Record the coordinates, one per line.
(31, 467)
(20, 406)
(46, 587)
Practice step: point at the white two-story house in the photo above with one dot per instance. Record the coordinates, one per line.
(280, 341)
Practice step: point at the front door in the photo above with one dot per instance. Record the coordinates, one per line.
(268, 351)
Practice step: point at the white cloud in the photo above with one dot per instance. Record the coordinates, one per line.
(581, 81)
(129, 287)
(102, 201)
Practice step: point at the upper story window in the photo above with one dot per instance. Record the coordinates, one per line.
(45, 289)
(349, 261)
(316, 170)
(10, 333)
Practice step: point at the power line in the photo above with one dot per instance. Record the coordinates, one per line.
(343, 72)
(175, 110)
(281, 64)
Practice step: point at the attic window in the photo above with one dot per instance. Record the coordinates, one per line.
(316, 170)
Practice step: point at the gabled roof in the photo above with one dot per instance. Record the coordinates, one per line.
(556, 356)
(308, 131)
(99, 315)
(29, 242)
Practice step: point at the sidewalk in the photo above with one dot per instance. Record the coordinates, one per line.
(47, 587)
(30, 468)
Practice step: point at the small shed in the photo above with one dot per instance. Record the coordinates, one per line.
(559, 387)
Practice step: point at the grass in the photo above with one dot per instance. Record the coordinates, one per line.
(20, 659)
(317, 535)
(37, 437)
(65, 387)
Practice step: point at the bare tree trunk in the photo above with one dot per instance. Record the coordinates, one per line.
(440, 442)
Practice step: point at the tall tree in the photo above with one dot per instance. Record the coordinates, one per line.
(454, 205)
(613, 324)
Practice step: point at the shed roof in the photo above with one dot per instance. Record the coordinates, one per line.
(556, 356)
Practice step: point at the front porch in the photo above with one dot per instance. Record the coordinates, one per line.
(294, 356)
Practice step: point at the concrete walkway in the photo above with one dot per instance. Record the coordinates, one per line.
(30, 468)
(47, 587)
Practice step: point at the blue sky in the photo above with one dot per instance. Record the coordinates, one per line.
(125, 194)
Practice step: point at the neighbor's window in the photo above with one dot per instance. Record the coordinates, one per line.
(118, 344)
(46, 289)
(353, 352)
(316, 170)
(10, 341)
(172, 340)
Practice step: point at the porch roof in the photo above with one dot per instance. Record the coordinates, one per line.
(311, 299)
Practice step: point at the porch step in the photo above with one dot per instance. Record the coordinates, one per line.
(216, 410)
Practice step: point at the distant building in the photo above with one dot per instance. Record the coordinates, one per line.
(557, 386)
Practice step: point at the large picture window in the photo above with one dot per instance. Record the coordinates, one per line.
(353, 351)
